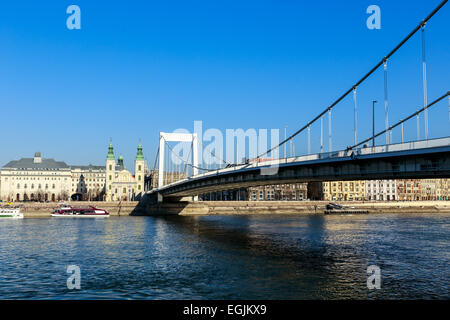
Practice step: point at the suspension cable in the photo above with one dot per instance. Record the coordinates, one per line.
(424, 81)
(402, 121)
(355, 116)
(386, 106)
(184, 161)
(213, 154)
(422, 23)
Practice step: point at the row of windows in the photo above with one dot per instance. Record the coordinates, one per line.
(45, 169)
(381, 191)
(139, 167)
(33, 178)
(32, 186)
(271, 196)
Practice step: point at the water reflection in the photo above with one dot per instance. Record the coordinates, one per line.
(227, 257)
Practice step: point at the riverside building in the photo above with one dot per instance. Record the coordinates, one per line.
(382, 190)
(45, 179)
(279, 192)
(344, 190)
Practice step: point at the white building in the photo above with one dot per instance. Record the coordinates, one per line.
(383, 190)
(35, 179)
(44, 179)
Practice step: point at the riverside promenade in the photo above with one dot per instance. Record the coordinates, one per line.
(285, 207)
(126, 208)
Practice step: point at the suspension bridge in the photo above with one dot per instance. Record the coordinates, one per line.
(190, 175)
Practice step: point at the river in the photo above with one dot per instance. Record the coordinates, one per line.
(227, 257)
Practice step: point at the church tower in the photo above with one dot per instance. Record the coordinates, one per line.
(139, 170)
(110, 172)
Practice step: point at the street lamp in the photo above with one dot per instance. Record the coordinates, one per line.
(373, 122)
(285, 127)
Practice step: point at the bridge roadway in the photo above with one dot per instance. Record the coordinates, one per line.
(411, 160)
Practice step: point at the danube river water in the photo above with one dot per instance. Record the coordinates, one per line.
(227, 257)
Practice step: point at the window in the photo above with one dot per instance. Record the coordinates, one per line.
(110, 177)
(110, 167)
(139, 187)
(139, 167)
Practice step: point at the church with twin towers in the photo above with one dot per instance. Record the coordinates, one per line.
(121, 184)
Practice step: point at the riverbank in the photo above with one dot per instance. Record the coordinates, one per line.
(32, 209)
(285, 207)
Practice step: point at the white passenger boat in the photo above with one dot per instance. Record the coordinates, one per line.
(11, 213)
(66, 211)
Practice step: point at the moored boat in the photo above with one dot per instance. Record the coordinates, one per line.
(67, 211)
(334, 208)
(11, 213)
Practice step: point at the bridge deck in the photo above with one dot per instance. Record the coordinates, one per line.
(270, 170)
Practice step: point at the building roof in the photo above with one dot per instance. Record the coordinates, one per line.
(88, 167)
(28, 163)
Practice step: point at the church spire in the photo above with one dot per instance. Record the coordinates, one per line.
(110, 155)
(140, 154)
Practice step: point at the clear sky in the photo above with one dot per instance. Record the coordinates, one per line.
(139, 67)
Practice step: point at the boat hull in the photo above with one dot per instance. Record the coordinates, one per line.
(80, 215)
(19, 216)
(10, 214)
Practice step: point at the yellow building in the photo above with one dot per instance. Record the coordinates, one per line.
(443, 189)
(344, 190)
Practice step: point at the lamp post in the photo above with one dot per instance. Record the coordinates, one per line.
(285, 127)
(373, 123)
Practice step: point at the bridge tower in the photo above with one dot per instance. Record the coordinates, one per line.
(139, 170)
(110, 172)
(176, 137)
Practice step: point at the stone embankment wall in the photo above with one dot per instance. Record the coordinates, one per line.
(31, 209)
(284, 207)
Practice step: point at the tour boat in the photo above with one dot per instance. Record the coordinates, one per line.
(67, 211)
(12, 213)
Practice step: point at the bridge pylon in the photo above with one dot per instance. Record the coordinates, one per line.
(176, 137)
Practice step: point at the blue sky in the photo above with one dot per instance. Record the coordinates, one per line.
(139, 67)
